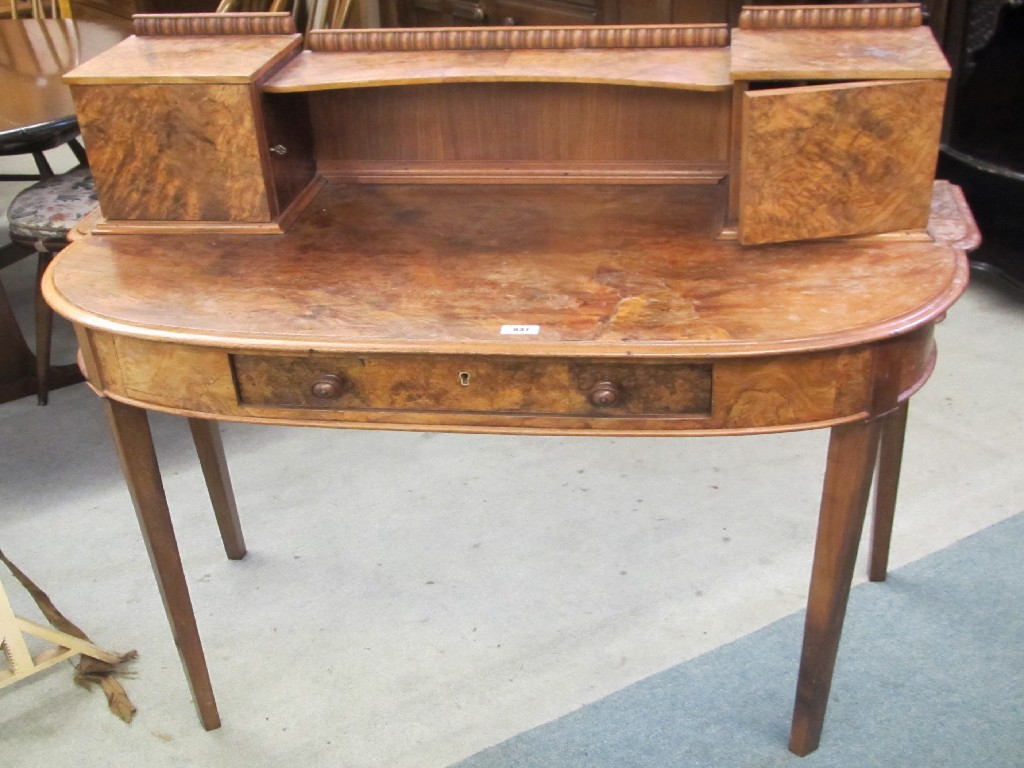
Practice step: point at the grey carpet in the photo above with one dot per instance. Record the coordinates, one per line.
(930, 673)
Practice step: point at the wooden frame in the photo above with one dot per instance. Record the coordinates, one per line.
(21, 662)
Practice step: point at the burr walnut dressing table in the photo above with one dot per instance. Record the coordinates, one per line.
(680, 230)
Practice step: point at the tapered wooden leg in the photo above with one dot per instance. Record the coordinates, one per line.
(206, 435)
(134, 442)
(890, 458)
(851, 459)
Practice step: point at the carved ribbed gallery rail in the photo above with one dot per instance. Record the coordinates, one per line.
(169, 24)
(502, 38)
(831, 16)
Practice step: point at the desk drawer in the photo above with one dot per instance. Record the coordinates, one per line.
(457, 383)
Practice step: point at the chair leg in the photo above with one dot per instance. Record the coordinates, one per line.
(44, 332)
(45, 171)
(79, 152)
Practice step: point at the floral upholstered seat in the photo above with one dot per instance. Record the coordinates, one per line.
(42, 215)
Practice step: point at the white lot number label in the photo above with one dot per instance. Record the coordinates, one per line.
(520, 330)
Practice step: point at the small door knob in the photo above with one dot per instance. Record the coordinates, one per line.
(279, 149)
(328, 387)
(604, 394)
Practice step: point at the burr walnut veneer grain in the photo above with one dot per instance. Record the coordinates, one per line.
(885, 185)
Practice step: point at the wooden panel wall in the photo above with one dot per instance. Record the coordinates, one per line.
(289, 134)
(561, 125)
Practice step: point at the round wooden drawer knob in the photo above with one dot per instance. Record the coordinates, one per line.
(604, 394)
(328, 387)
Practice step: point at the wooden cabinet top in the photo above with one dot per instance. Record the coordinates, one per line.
(187, 59)
(851, 54)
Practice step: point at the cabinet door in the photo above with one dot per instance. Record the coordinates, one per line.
(840, 159)
(289, 140)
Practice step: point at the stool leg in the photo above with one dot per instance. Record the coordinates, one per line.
(890, 458)
(134, 441)
(44, 333)
(851, 460)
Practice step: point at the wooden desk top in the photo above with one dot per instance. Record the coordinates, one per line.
(603, 270)
(34, 54)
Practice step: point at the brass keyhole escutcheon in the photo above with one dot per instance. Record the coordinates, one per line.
(464, 379)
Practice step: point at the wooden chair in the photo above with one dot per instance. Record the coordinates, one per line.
(20, 660)
(37, 9)
(52, 135)
(308, 14)
(241, 6)
(301, 10)
(41, 216)
(330, 14)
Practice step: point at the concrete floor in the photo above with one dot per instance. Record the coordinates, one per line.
(409, 599)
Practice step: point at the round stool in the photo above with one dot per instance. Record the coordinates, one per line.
(40, 217)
